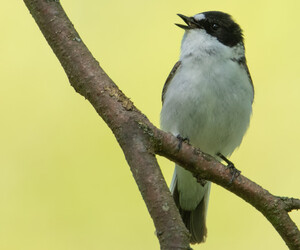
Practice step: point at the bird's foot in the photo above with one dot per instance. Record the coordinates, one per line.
(233, 170)
(181, 140)
(203, 182)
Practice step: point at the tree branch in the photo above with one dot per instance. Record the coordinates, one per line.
(203, 166)
(290, 203)
(140, 140)
(89, 79)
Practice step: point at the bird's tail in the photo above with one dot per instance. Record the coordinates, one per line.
(194, 218)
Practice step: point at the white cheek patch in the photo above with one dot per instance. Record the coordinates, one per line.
(199, 17)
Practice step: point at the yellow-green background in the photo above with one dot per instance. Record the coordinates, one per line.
(64, 182)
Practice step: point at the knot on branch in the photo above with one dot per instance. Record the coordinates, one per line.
(146, 129)
(118, 94)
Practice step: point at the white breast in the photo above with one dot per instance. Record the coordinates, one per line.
(210, 97)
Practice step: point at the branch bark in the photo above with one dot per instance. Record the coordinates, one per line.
(141, 141)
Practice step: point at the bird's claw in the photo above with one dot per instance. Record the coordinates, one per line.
(234, 172)
(181, 140)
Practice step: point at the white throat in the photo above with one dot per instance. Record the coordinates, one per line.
(196, 43)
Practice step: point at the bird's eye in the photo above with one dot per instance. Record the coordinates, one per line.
(215, 26)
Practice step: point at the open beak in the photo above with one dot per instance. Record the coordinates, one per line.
(188, 20)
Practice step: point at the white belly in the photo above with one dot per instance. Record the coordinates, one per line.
(210, 103)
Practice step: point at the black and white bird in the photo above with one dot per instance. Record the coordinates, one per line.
(207, 98)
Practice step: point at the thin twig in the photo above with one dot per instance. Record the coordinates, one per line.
(291, 203)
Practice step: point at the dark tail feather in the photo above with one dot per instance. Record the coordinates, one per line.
(194, 220)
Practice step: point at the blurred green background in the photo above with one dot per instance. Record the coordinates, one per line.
(64, 182)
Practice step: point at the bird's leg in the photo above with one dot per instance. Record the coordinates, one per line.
(233, 170)
(181, 140)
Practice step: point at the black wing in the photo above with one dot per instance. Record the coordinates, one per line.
(170, 77)
(243, 63)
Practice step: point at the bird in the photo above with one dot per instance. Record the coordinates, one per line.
(207, 98)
